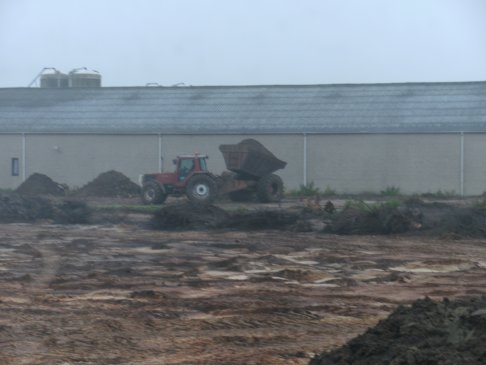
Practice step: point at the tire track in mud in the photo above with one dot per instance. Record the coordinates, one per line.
(209, 298)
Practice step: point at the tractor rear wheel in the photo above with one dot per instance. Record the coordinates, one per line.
(270, 189)
(201, 189)
(153, 193)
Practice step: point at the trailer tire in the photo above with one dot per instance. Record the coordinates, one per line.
(153, 193)
(270, 189)
(201, 189)
(241, 195)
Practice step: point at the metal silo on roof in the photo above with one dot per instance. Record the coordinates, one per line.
(51, 78)
(83, 77)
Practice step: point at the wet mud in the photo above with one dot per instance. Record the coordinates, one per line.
(84, 294)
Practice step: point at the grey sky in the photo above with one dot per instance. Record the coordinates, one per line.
(239, 42)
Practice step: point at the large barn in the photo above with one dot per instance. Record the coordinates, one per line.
(419, 137)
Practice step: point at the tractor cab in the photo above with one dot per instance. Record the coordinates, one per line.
(187, 165)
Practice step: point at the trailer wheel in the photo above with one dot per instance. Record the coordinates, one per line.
(153, 193)
(270, 189)
(201, 189)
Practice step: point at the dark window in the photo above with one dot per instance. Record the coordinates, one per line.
(15, 166)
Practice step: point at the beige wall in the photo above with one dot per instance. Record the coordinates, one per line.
(77, 159)
(10, 147)
(416, 163)
(474, 164)
(373, 162)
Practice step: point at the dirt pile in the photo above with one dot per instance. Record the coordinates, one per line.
(262, 219)
(413, 215)
(39, 184)
(16, 208)
(189, 216)
(444, 333)
(110, 184)
(361, 218)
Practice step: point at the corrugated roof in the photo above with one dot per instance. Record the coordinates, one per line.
(361, 108)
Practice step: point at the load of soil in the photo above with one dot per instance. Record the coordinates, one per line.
(413, 216)
(190, 216)
(443, 333)
(40, 184)
(16, 208)
(110, 184)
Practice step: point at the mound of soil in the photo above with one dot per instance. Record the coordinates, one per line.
(444, 333)
(19, 208)
(16, 208)
(376, 220)
(415, 216)
(188, 216)
(263, 219)
(39, 184)
(110, 184)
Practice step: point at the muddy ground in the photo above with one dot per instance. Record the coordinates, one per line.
(125, 294)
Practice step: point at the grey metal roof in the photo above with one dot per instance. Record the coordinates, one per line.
(361, 108)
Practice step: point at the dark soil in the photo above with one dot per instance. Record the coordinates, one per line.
(110, 184)
(16, 208)
(188, 216)
(262, 219)
(444, 333)
(39, 184)
(412, 216)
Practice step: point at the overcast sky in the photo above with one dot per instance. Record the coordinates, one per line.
(242, 42)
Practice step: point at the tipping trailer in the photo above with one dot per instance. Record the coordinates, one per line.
(251, 171)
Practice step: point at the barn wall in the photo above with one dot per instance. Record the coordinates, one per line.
(10, 147)
(474, 164)
(77, 159)
(416, 163)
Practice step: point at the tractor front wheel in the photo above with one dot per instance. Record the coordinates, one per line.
(153, 193)
(201, 189)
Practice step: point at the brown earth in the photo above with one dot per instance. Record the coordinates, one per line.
(121, 294)
(428, 332)
(110, 184)
(40, 184)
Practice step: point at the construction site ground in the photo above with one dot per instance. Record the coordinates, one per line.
(126, 294)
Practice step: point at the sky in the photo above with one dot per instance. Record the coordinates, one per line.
(245, 42)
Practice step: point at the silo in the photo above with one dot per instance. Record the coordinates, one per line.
(83, 77)
(53, 79)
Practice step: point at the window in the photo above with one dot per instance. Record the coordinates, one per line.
(15, 166)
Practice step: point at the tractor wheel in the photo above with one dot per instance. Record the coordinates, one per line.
(201, 189)
(153, 193)
(270, 189)
(241, 196)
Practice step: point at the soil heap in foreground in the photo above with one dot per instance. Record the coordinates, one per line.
(431, 333)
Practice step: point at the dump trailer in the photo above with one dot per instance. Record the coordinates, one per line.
(250, 172)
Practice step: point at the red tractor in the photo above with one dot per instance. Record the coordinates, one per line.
(251, 166)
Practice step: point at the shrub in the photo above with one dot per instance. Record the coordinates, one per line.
(391, 191)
